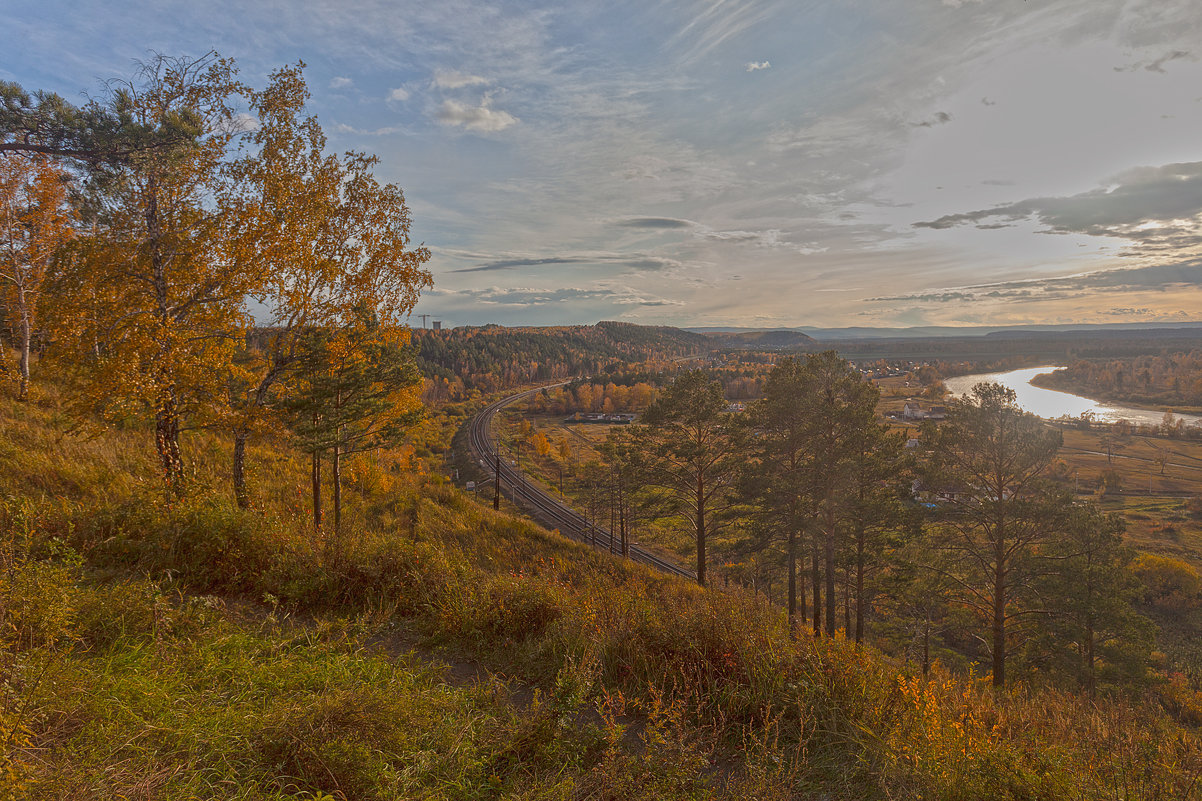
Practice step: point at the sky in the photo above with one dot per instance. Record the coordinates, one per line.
(765, 163)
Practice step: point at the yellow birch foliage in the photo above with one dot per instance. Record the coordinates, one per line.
(155, 300)
(35, 223)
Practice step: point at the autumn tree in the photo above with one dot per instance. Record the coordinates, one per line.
(775, 485)
(840, 407)
(693, 454)
(358, 390)
(628, 466)
(166, 298)
(321, 238)
(1092, 628)
(36, 221)
(873, 513)
(986, 464)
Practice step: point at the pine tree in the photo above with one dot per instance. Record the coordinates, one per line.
(987, 464)
(358, 390)
(694, 454)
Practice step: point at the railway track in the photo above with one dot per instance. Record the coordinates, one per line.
(541, 505)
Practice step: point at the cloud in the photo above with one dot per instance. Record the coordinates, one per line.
(719, 22)
(341, 83)
(398, 95)
(1156, 208)
(638, 262)
(652, 263)
(531, 296)
(1156, 65)
(664, 223)
(753, 66)
(453, 79)
(940, 118)
(474, 118)
(243, 122)
(387, 130)
(770, 238)
(509, 264)
(1154, 278)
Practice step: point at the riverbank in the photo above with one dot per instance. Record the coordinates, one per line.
(1053, 404)
(1062, 381)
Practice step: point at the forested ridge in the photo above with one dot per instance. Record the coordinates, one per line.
(488, 358)
(1168, 379)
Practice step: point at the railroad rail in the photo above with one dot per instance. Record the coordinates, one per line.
(541, 505)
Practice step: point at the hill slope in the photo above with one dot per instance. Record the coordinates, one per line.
(194, 650)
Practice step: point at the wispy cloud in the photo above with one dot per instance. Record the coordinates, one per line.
(474, 118)
(453, 79)
(511, 264)
(398, 95)
(637, 262)
(532, 296)
(655, 223)
(755, 66)
(386, 130)
(1156, 208)
(341, 83)
(1156, 65)
(939, 118)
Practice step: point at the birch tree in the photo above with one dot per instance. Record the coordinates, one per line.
(36, 221)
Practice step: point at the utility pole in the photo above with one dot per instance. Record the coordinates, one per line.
(496, 484)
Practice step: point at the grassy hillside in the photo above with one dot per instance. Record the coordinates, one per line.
(155, 649)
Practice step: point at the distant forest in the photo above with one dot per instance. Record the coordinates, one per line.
(1171, 379)
(490, 358)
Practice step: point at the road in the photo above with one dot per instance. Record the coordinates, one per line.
(542, 506)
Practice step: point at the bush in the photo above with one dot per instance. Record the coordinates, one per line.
(209, 545)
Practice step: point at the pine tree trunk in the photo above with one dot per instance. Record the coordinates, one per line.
(612, 515)
(792, 558)
(926, 647)
(829, 554)
(336, 471)
(316, 479)
(700, 531)
(816, 581)
(623, 517)
(1090, 664)
(846, 601)
(860, 585)
(239, 469)
(999, 618)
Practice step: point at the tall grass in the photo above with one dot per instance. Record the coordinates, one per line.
(163, 649)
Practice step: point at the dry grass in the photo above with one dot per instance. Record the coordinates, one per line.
(127, 671)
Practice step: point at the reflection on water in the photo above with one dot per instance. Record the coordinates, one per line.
(1052, 404)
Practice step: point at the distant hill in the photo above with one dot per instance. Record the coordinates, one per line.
(493, 357)
(948, 331)
(780, 338)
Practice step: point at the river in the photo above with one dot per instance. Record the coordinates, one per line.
(1050, 403)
